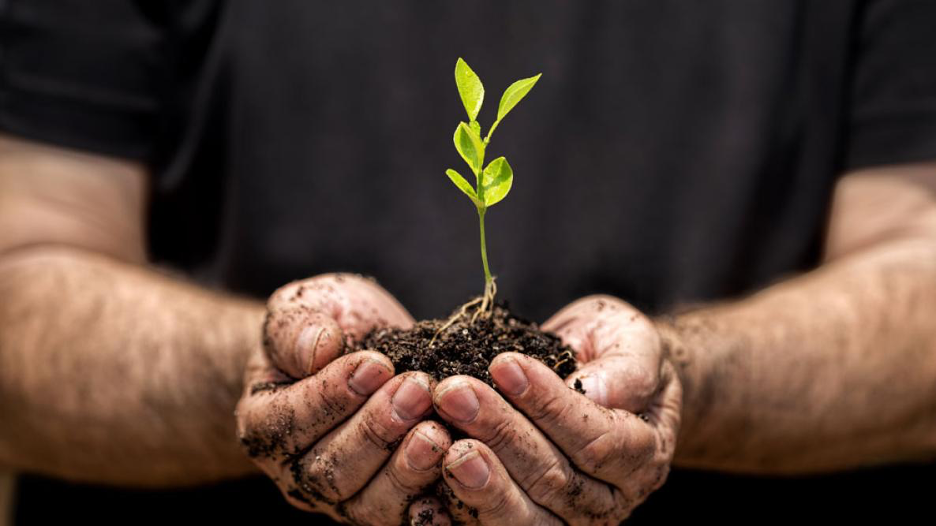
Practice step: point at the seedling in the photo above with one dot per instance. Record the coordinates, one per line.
(492, 182)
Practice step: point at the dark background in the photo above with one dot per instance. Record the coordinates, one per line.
(673, 153)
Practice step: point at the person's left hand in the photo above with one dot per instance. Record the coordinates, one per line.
(554, 455)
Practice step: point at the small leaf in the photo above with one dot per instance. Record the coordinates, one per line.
(514, 94)
(469, 146)
(470, 88)
(463, 185)
(496, 181)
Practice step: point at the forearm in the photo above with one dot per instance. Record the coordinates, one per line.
(114, 373)
(833, 369)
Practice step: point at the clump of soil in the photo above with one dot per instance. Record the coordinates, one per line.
(467, 347)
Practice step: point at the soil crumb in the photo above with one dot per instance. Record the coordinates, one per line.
(425, 518)
(468, 348)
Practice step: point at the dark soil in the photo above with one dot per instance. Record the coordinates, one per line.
(468, 348)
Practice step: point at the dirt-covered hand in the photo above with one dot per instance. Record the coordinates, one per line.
(326, 426)
(552, 455)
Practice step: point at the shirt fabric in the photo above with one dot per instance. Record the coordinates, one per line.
(673, 153)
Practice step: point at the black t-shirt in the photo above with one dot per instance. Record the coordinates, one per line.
(673, 152)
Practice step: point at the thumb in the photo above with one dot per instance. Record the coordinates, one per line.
(617, 382)
(300, 341)
(309, 321)
(617, 348)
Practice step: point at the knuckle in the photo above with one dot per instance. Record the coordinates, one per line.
(551, 481)
(307, 485)
(623, 505)
(376, 433)
(502, 435)
(549, 409)
(267, 436)
(316, 478)
(496, 502)
(402, 481)
(598, 453)
(331, 403)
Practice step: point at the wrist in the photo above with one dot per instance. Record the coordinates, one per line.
(687, 343)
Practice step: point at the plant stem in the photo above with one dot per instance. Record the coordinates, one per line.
(487, 271)
(490, 132)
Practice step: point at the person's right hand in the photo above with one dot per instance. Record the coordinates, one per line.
(323, 425)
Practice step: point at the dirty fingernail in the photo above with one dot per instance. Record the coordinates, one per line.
(471, 470)
(509, 377)
(411, 399)
(595, 389)
(368, 377)
(306, 347)
(460, 403)
(421, 452)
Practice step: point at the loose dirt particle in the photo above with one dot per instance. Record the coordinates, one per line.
(468, 348)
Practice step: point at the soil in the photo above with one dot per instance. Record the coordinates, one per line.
(467, 347)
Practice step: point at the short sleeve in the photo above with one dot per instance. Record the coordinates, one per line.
(892, 114)
(85, 75)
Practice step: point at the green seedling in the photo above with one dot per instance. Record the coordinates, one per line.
(492, 182)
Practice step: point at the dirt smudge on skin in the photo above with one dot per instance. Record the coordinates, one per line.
(272, 387)
(308, 487)
(269, 441)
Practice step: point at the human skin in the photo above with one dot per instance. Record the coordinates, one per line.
(326, 425)
(141, 371)
(98, 353)
(833, 369)
(801, 361)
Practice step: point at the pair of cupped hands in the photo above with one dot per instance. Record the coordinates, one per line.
(341, 434)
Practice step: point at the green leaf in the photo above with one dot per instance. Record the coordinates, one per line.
(463, 185)
(514, 94)
(475, 127)
(496, 181)
(470, 88)
(469, 146)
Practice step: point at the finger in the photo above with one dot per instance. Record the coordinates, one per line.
(607, 444)
(300, 341)
(310, 321)
(540, 469)
(342, 462)
(480, 481)
(428, 511)
(618, 350)
(412, 469)
(357, 303)
(276, 421)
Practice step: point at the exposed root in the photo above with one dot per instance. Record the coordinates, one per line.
(487, 301)
(563, 358)
(463, 311)
(484, 310)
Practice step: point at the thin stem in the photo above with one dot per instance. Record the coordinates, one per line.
(487, 271)
(490, 132)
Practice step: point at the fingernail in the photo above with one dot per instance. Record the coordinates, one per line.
(595, 389)
(509, 377)
(306, 347)
(471, 470)
(460, 403)
(368, 377)
(421, 452)
(411, 399)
